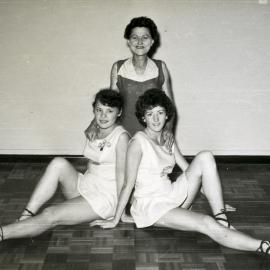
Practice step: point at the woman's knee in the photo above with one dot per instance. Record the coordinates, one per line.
(206, 158)
(50, 216)
(58, 163)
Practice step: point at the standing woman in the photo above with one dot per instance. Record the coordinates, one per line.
(91, 196)
(159, 202)
(133, 76)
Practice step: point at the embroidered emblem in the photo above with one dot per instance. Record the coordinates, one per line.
(102, 144)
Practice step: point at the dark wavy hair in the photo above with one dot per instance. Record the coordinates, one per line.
(142, 22)
(148, 23)
(109, 98)
(151, 99)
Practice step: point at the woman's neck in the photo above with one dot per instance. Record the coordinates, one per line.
(104, 132)
(139, 62)
(153, 135)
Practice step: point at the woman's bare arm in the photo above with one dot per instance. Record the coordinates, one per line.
(180, 159)
(113, 77)
(121, 153)
(167, 86)
(167, 134)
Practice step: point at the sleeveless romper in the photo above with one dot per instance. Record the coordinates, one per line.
(131, 89)
(155, 194)
(98, 184)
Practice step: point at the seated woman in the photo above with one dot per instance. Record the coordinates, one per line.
(91, 196)
(159, 202)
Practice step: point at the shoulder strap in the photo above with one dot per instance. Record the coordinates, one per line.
(160, 71)
(120, 63)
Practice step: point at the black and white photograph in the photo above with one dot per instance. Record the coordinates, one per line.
(134, 134)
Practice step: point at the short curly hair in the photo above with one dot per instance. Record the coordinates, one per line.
(142, 22)
(151, 99)
(109, 98)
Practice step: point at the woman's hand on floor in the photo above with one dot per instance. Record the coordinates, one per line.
(126, 218)
(104, 224)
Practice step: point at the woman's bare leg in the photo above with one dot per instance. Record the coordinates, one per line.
(203, 172)
(183, 219)
(59, 171)
(70, 212)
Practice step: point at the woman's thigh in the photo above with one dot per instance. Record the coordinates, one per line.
(71, 212)
(68, 177)
(193, 176)
(185, 220)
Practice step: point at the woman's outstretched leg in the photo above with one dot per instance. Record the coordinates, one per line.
(182, 219)
(70, 212)
(203, 172)
(59, 171)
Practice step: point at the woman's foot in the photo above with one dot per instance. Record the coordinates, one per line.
(26, 214)
(264, 248)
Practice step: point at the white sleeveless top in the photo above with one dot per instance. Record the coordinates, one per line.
(98, 184)
(155, 194)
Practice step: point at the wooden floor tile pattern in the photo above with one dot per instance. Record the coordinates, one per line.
(246, 186)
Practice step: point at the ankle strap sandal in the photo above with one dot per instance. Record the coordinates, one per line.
(263, 251)
(225, 219)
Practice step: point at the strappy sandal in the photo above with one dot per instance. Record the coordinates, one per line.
(1, 234)
(261, 250)
(225, 219)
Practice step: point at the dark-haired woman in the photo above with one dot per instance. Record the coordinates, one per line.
(133, 76)
(91, 196)
(159, 202)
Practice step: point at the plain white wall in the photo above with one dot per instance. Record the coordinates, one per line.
(55, 55)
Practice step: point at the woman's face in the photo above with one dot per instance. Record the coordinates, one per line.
(155, 118)
(105, 116)
(140, 41)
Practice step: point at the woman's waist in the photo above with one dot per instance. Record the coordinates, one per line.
(102, 170)
(147, 174)
(155, 186)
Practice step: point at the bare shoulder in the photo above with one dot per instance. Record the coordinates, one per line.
(114, 65)
(114, 69)
(124, 137)
(134, 145)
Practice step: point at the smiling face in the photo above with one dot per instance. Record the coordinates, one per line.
(155, 118)
(140, 41)
(106, 116)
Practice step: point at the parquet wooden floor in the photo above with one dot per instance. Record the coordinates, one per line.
(246, 186)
